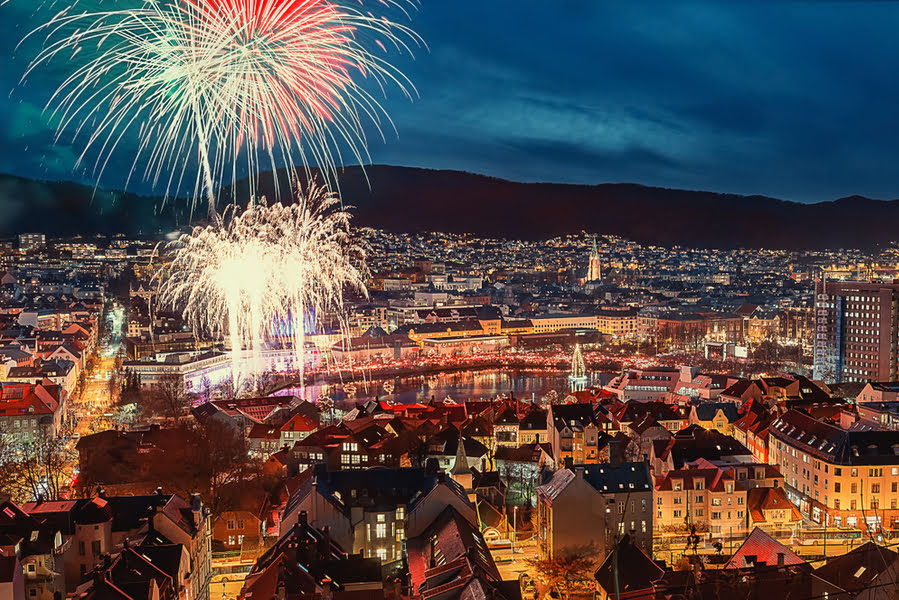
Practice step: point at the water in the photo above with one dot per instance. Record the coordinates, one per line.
(461, 386)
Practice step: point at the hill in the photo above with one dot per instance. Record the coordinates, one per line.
(410, 199)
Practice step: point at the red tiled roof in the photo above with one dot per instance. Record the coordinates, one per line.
(759, 548)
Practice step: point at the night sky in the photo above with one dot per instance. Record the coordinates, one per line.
(791, 99)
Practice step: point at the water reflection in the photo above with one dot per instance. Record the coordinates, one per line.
(461, 387)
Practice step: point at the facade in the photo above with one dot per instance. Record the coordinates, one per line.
(593, 506)
(710, 496)
(838, 477)
(554, 322)
(857, 331)
(373, 511)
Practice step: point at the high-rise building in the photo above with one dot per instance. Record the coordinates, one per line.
(594, 272)
(856, 331)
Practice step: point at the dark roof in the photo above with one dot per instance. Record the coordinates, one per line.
(636, 570)
(856, 570)
(834, 444)
(706, 411)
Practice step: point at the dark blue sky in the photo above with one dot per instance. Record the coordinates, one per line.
(790, 99)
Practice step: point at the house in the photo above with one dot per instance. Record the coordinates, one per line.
(30, 411)
(532, 427)
(450, 560)
(769, 509)
(869, 572)
(760, 549)
(573, 433)
(295, 429)
(719, 416)
(585, 507)
(372, 511)
(691, 444)
(709, 496)
(129, 575)
(12, 578)
(633, 576)
(306, 564)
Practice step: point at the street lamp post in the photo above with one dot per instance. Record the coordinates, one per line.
(514, 530)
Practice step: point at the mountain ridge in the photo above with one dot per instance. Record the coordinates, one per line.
(410, 199)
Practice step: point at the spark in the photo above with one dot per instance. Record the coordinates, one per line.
(261, 274)
(225, 82)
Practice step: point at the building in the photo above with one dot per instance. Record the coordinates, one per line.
(594, 269)
(710, 496)
(450, 560)
(593, 506)
(857, 331)
(31, 411)
(645, 385)
(372, 511)
(31, 241)
(305, 563)
(837, 477)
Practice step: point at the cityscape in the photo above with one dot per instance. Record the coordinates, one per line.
(237, 373)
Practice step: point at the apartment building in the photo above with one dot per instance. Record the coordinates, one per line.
(857, 331)
(710, 495)
(837, 477)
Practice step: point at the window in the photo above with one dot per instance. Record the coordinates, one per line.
(659, 501)
(230, 524)
(400, 513)
(95, 547)
(644, 501)
(231, 540)
(676, 514)
(678, 500)
(716, 515)
(875, 488)
(381, 530)
(854, 487)
(81, 549)
(699, 512)
(240, 539)
(836, 487)
(716, 501)
(240, 523)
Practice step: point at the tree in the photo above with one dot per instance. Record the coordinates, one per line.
(563, 571)
(168, 398)
(42, 469)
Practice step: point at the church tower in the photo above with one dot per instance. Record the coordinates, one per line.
(594, 272)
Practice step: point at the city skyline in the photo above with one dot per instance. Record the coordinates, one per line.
(783, 99)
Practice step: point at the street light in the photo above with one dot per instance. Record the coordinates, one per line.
(514, 530)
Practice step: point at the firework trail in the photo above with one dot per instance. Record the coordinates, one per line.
(262, 273)
(250, 82)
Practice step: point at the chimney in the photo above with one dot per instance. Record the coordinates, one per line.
(326, 588)
(780, 559)
(579, 472)
(304, 518)
(326, 532)
(431, 466)
(569, 463)
(282, 591)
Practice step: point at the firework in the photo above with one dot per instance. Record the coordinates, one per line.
(261, 275)
(250, 82)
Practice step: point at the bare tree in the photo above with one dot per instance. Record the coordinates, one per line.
(168, 398)
(42, 469)
(564, 571)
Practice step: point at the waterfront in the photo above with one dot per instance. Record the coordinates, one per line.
(463, 386)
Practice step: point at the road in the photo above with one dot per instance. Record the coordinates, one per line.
(96, 399)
